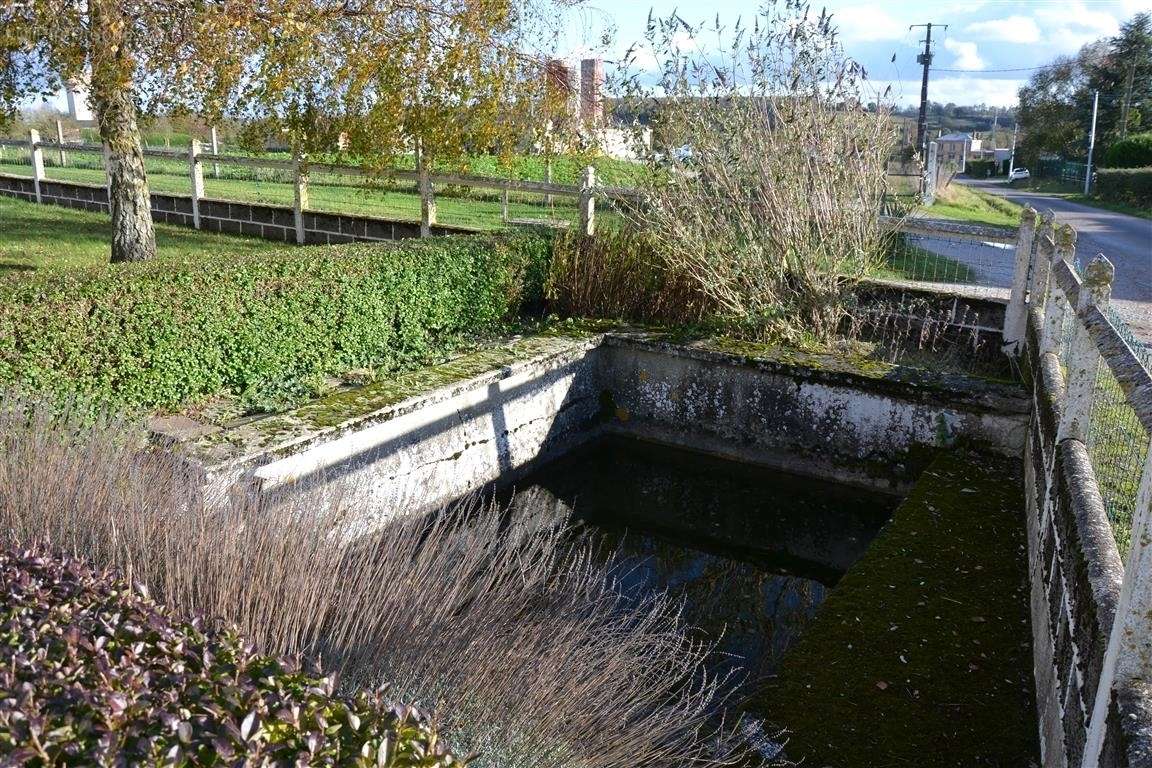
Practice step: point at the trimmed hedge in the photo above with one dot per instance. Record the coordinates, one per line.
(96, 673)
(163, 333)
(1134, 151)
(978, 169)
(1125, 185)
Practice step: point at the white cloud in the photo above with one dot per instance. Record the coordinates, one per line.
(996, 92)
(1013, 29)
(867, 23)
(1072, 25)
(967, 55)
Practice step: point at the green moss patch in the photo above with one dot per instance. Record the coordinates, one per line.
(921, 656)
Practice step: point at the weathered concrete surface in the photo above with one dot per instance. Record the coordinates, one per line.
(487, 417)
(863, 423)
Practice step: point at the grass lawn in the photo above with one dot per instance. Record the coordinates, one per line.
(34, 236)
(960, 203)
(332, 193)
(911, 262)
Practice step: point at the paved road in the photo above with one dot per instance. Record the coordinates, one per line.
(1125, 240)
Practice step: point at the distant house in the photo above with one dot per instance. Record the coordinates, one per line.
(953, 149)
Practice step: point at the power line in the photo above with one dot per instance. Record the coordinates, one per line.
(984, 71)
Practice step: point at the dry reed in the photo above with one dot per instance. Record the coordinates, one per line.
(519, 638)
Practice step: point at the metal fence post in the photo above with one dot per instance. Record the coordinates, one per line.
(196, 171)
(300, 193)
(1083, 356)
(588, 203)
(1016, 315)
(1056, 304)
(1128, 657)
(60, 141)
(215, 151)
(37, 162)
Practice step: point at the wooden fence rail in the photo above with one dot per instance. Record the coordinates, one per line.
(300, 169)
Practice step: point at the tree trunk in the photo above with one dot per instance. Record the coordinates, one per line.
(427, 195)
(133, 238)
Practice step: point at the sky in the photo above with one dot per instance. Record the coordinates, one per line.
(983, 37)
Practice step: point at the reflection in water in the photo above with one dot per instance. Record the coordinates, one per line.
(751, 550)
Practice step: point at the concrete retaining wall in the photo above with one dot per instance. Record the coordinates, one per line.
(266, 221)
(439, 445)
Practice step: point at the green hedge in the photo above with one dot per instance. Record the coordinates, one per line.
(164, 333)
(978, 169)
(95, 673)
(1134, 151)
(1125, 185)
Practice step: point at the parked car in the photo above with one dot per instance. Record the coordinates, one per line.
(1019, 174)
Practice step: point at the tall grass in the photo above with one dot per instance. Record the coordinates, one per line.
(520, 638)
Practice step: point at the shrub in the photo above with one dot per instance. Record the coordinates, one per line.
(525, 643)
(1135, 151)
(769, 188)
(99, 674)
(978, 169)
(166, 332)
(1125, 185)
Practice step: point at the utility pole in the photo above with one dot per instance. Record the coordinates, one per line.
(924, 59)
(1091, 143)
(1012, 154)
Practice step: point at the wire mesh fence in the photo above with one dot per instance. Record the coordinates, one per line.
(1117, 442)
(939, 255)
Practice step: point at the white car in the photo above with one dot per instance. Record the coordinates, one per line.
(1019, 174)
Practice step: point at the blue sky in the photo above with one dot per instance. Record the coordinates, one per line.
(982, 36)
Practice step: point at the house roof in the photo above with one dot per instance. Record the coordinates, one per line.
(956, 137)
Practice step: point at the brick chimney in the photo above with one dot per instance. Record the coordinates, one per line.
(592, 92)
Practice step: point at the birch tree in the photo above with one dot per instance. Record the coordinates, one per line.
(385, 71)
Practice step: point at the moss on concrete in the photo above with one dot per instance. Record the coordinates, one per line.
(921, 656)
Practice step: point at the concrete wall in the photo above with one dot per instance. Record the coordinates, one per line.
(439, 445)
(267, 221)
(1075, 573)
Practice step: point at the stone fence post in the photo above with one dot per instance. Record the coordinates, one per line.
(37, 162)
(1016, 315)
(1083, 356)
(1056, 303)
(196, 172)
(588, 203)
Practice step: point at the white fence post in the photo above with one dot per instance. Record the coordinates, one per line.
(1083, 356)
(1129, 654)
(60, 141)
(928, 195)
(37, 161)
(1056, 304)
(215, 150)
(196, 171)
(1016, 315)
(300, 193)
(588, 203)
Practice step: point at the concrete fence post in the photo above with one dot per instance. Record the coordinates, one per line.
(588, 203)
(1041, 262)
(1016, 315)
(37, 162)
(1056, 304)
(504, 205)
(1128, 658)
(60, 141)
(1083, 356)
(196, 172)
(928, 196)
(300, 193)
(215, 150)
